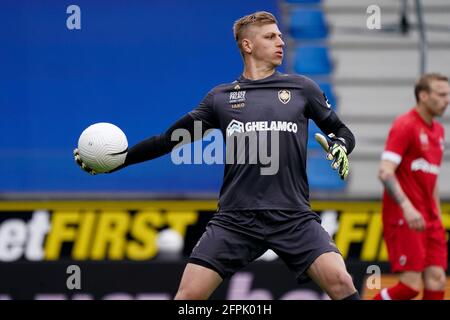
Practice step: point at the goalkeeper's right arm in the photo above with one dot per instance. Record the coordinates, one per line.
(148, 149)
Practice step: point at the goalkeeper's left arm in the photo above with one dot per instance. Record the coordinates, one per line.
(341, 145)
(342, 142)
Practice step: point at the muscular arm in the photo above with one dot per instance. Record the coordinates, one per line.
(389, 181)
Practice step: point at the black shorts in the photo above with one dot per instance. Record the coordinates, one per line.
(234, 239)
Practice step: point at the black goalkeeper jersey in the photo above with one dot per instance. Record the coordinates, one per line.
(281, 103)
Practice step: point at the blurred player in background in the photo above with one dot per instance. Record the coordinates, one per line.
(413, 230)
(258, 212)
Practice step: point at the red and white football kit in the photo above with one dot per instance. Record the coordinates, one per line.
(417, 148)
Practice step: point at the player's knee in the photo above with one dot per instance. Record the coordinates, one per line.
(340, 285)
(442, 281)
(435, 280)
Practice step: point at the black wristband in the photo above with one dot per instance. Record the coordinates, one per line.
(342, 135)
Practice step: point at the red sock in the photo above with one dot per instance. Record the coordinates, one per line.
(432, 295)
(398, 292)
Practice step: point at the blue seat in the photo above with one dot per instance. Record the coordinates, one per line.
(312, 60)
(308, 24)
(321, 176)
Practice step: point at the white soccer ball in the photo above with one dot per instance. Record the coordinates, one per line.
(103, 147)
(169, 241)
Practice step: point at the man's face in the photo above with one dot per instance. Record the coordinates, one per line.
(438, 98)
(266, 43)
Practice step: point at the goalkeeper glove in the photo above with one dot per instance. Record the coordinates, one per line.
(336, 152)
(80, 163)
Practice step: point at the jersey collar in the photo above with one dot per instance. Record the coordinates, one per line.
(243, 79)
(417, 115)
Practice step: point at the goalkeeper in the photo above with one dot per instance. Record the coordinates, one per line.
(257, 212)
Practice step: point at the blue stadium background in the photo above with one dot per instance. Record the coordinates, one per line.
(140, 66)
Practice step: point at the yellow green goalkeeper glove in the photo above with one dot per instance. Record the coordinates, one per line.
(337, 153)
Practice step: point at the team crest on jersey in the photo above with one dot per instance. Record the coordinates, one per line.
(402, 260)
(284, 96)
(423, 137)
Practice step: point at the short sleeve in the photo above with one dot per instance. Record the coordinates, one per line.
(204, 112)
(397, 143)
(318, 107)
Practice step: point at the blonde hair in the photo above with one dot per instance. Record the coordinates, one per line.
(258, 18)
(423, 84)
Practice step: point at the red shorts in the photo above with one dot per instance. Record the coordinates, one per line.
(411, 250)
